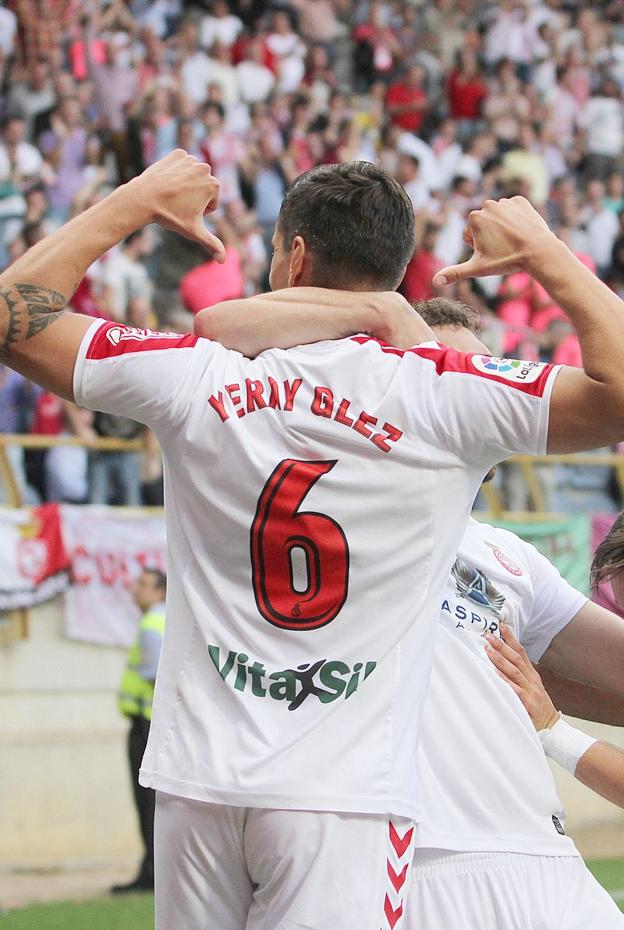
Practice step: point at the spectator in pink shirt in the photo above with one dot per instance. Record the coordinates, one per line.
(545, 312)
(566, 349)
(211, 282)
(514, 310)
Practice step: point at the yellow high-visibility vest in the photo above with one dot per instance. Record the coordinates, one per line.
(135, 692)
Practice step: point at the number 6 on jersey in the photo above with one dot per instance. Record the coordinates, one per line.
(278, 529)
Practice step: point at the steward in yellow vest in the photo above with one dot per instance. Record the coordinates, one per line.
(136, 692)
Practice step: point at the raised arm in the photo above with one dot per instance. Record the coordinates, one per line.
(587, 405)
(38, 337)
(298, 315)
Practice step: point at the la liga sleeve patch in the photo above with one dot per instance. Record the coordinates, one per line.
(509, 369)
(526, 376)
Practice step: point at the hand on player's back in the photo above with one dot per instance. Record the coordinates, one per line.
(514, 666)
(180, 190)
(505, 235)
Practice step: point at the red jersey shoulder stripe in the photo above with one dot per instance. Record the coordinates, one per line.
(526, 376)
(389, 350)
(426, 350)
(114, 339)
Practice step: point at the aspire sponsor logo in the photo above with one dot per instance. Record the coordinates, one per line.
(475, 585)
(463, 618)
(510, 369)
(327, 680)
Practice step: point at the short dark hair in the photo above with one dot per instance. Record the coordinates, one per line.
(442, 311)
(160, 579)
(357, 221)
(609, 556)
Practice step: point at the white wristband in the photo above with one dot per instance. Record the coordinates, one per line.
(565, 744)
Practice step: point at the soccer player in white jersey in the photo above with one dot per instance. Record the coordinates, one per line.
(491, 844)
(305, 491)
(596, 763)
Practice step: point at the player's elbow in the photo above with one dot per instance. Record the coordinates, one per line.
(212, 323)
(585, 413)
(204, 324)
(609, 413)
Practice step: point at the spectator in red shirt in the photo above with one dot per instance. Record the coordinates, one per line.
(466, 90)
(421, 269)
(377, 48)
(407, 101)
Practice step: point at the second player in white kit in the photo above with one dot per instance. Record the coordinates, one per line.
(491, 843)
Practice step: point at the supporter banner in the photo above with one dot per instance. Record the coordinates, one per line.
(107, 550)
(566, 543)
(33, 562)
(601, 524)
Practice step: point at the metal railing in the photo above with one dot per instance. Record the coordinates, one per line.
(12, 490)
(528, 464)
(536, 495)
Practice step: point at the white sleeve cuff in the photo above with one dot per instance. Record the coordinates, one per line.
(565, 744)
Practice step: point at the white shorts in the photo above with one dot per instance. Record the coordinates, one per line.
(507, 891)
(219, 867)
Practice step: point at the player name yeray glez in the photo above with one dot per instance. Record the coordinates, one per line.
(241, 399)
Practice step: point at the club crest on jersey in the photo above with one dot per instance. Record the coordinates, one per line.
(327, 680)
(477, 587)
(510, 369)
(511, 566)
(117, 334)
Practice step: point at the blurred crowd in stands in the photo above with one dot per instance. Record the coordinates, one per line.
(460, 100)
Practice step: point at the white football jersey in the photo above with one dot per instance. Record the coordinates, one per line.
(315, 501)
(485, 781)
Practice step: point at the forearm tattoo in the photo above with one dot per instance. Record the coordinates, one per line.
(25, 310)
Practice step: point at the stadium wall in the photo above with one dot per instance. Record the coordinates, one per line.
(65, 794)
(65, 797)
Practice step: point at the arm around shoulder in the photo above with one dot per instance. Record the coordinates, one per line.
(299, 315)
